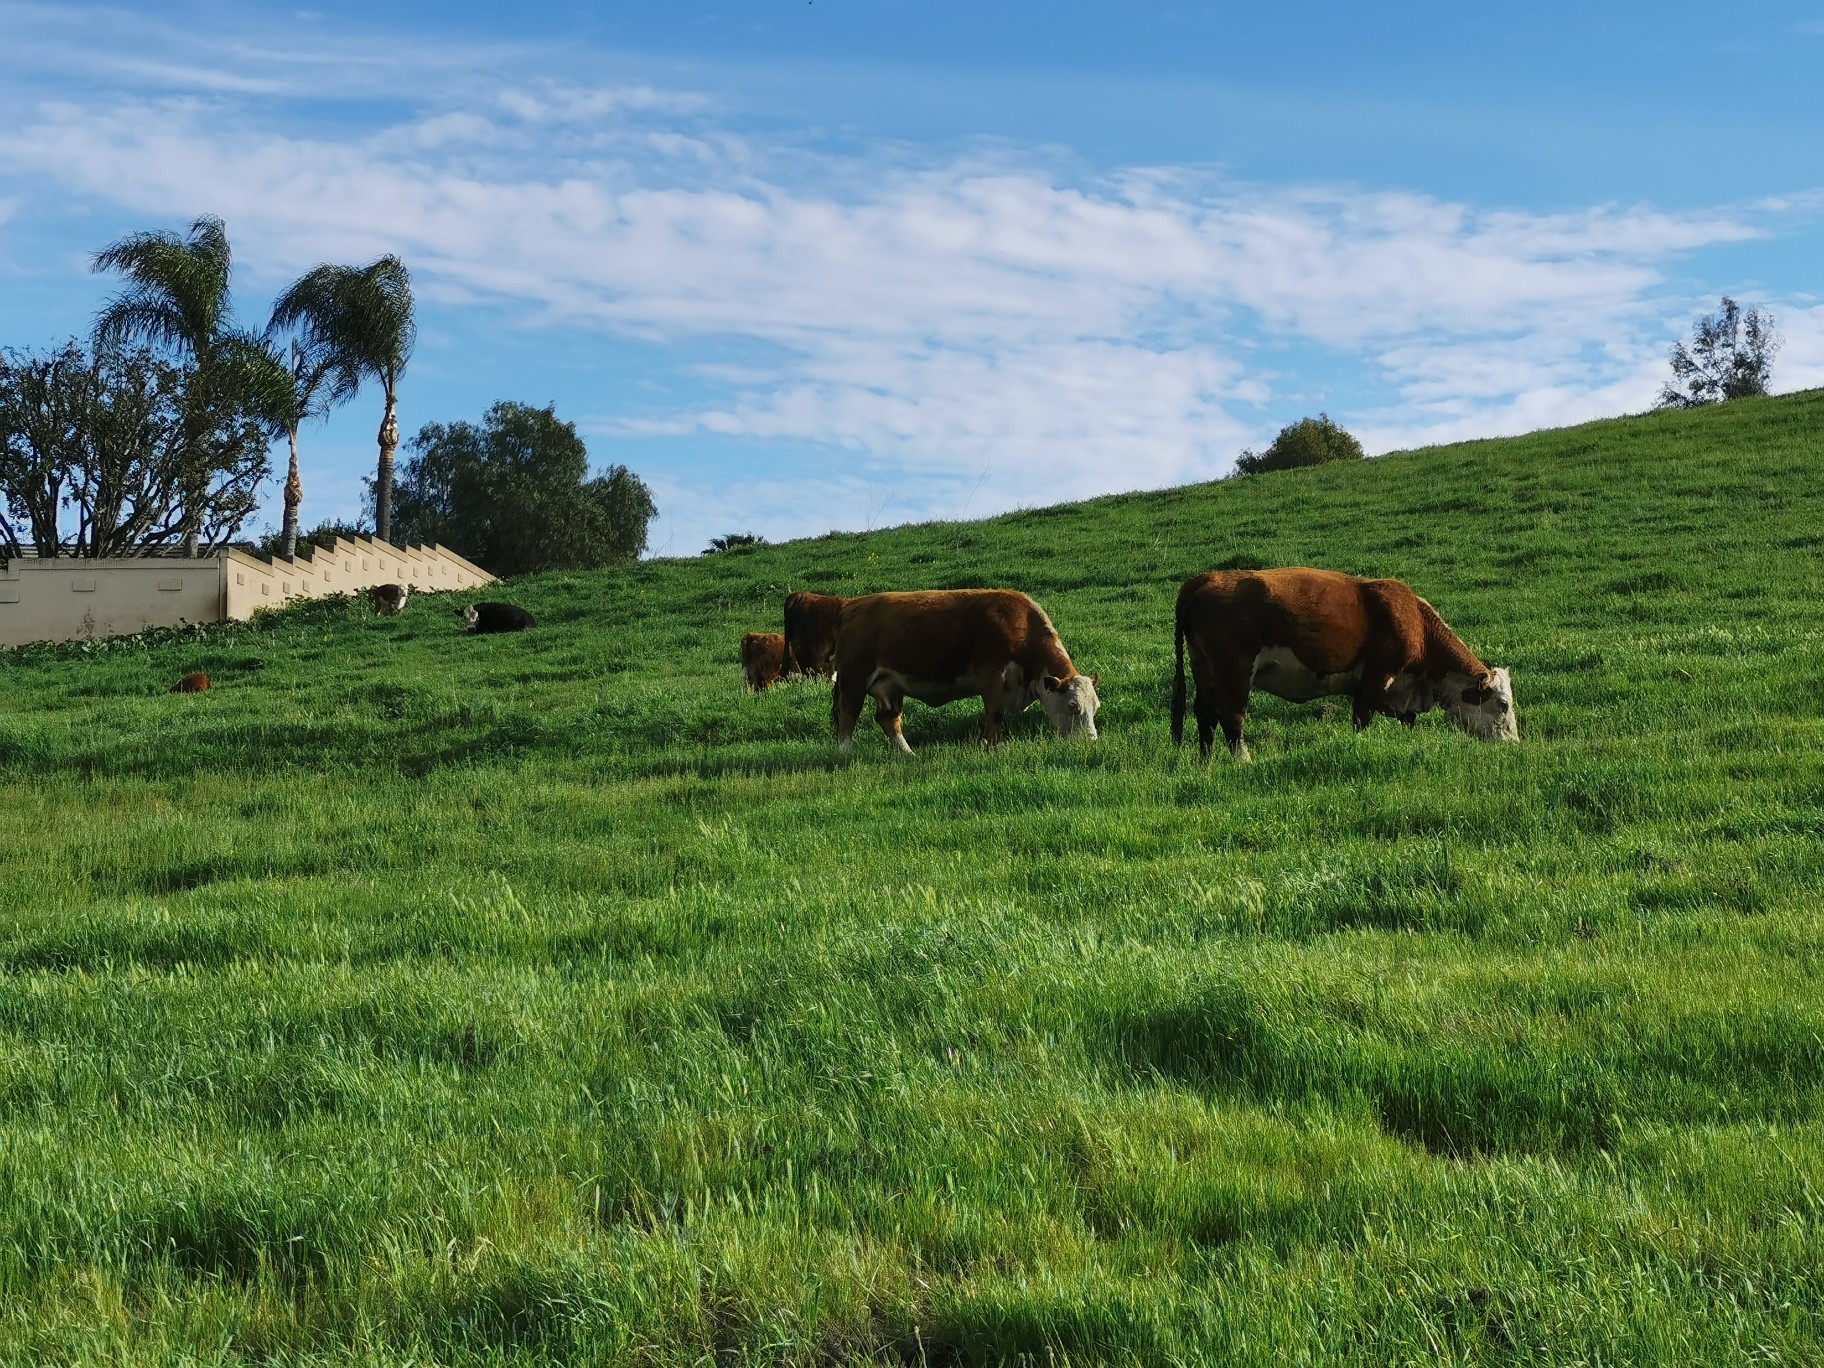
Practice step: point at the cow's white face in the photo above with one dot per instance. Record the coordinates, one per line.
(1071, 704)
(1482, 707)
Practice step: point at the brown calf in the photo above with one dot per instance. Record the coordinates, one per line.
(1304, 634)
(810, 632)
(943, 645)
(194, 682)
(762, 660)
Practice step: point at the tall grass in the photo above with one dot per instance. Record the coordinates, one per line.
(415, 998)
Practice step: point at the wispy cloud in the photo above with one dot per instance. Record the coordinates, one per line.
(969, 325)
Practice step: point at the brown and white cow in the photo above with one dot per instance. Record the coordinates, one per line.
(947, 644)
(762, 660)
(810, 632)
(1304, 634)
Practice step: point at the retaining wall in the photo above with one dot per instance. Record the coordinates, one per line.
(71, 600)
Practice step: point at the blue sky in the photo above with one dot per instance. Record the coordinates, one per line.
(813, 265)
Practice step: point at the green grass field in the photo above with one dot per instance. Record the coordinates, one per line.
(420, 999)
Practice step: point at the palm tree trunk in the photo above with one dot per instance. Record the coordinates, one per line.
(294, 495)
(383, 485)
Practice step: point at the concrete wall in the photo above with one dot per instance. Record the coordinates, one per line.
(72, 600)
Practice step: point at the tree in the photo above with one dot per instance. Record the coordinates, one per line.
(305, 396)
(101, 455)
(1308, 442)
(1730, 357)
(512, 495)
(732, 541)
(176, 299)
(360, 321)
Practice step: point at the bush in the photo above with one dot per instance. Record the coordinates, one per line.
(324, 534)
(734, 541)
(1308, 442)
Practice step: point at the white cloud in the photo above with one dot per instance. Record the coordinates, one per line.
(971, 326)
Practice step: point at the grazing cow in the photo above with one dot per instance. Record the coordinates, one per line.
(762, 660)
(944, 645)
(484, 618)
(810, 632)
(194, 682)
(389, 599)
(1304, 634)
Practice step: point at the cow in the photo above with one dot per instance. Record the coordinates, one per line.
(389, 599)
(1304, 634)
(194, 682)
(762, 660)
(810, 632)
(483, 618)
(943, 645)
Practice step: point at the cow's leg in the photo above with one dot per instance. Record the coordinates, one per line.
(1370, 696)
(993, 699)
(887, 707)
(1221, 699)
(1230, 704)
(1204, 707)
(845, 709)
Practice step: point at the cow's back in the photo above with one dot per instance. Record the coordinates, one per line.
(1326, 618)
(938, 634)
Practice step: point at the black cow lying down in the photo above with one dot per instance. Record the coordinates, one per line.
(484, 618)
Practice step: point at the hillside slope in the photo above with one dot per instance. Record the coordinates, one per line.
(419, 998)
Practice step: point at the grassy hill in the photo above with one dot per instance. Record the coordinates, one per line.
(412, 998)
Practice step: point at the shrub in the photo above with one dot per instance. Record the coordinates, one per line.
(1308, 442)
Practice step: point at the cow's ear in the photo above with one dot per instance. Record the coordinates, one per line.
(1052, 683)
(1476, 694)
(1095, 681)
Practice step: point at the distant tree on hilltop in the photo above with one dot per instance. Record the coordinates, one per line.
(731, 541)
(513, 495)
(1730, 357)
(1308, 442)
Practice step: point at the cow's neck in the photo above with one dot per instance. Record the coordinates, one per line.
(1045, 657)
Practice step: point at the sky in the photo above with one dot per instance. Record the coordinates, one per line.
(850, 263)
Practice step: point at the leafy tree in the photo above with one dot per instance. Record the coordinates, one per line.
(513, 495)
(732, 541)
(1308, 442)
(1730, 357)
(101, 455)
(176, 299)
(359, 321)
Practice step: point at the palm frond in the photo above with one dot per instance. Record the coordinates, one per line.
(177, 288)
(358, 318)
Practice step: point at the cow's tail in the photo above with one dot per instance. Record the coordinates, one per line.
(1178, 677)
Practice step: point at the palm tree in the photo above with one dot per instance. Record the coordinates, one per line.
(302, 399)
(359, 320)
(176, 298)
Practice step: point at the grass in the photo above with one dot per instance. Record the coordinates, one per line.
(413, 998)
